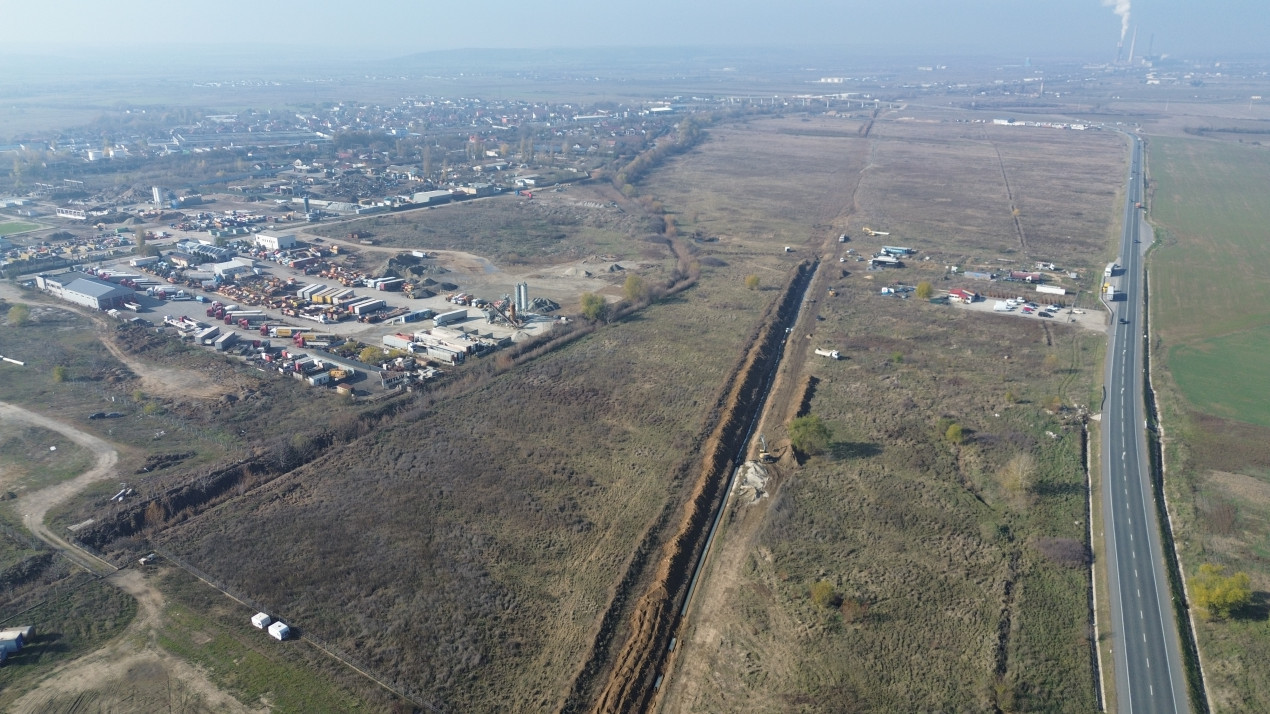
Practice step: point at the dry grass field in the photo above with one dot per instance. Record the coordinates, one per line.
(468, 551)
(951, 560)
(954, 571)
(953, 188)
(554, 227)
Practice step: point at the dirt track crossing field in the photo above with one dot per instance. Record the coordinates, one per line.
(131, 673)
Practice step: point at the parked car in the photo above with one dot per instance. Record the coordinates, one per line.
(97, 415)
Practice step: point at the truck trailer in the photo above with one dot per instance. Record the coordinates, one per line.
(207, 335)
(446, 318)
(367, 307)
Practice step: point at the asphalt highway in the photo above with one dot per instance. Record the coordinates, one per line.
(1149, 673)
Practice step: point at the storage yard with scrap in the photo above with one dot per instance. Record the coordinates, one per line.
(303, 311)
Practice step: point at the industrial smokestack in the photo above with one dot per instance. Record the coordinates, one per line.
(1133, 43)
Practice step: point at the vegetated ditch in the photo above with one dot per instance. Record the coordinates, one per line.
(621, 679)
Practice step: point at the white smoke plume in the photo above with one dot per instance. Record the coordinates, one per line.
(1121, 8)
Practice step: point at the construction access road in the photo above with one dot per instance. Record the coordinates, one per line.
(1149, 673)
(33, 506)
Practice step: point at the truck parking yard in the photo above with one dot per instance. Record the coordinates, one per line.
(1091, 319)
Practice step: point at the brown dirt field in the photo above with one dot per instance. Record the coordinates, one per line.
(169, 382)
(563, 281)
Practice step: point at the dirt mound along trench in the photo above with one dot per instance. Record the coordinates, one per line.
(628, 683)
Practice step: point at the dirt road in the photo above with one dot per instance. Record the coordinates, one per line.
(131, 673)
(34, 505)
(163, 381)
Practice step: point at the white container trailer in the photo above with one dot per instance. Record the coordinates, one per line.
(352, 305)
(831, 354)
(261, 620)
(307, 291)
(224, 341)
(398, 342)
(365, 308)
(1002, 306)
(446, 318)
(1051, 289)
(447, 356)
(138, 262)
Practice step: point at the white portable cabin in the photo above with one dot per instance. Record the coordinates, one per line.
(261, 620)
(279, 631)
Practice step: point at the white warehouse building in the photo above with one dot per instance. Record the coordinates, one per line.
(80, 289)
(275, 241)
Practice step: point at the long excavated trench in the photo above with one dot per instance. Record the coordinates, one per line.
(629, 675)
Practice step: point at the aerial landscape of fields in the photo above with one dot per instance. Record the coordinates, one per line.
(700, 379)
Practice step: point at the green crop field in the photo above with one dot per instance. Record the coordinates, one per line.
(1208, 277)
(9, 228)
(1225, 376)
(1211, 321)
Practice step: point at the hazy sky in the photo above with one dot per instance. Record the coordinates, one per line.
(387, 28)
